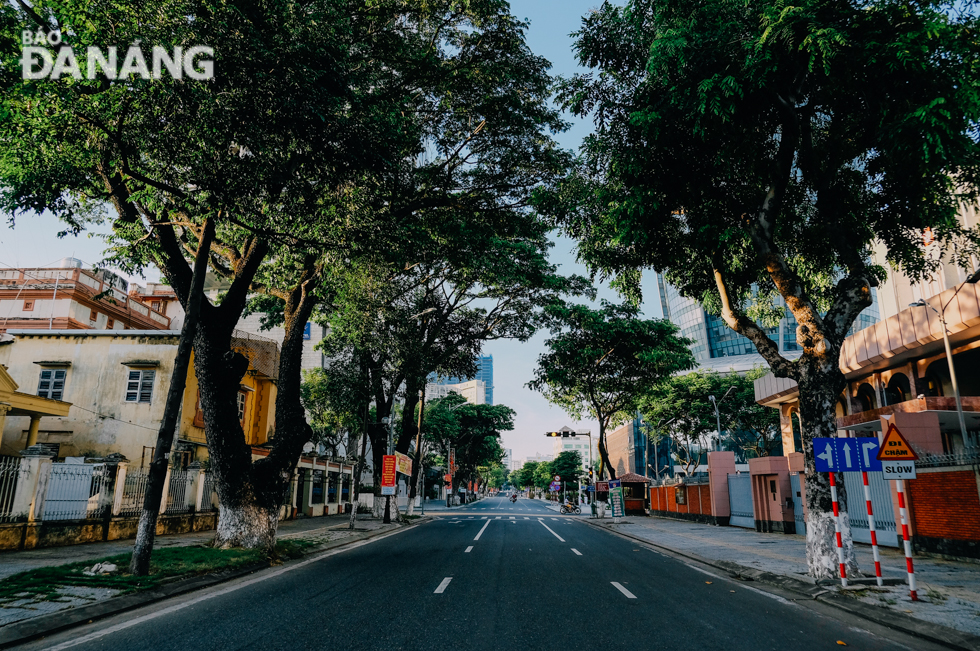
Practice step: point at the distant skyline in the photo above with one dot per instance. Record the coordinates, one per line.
(34, 243)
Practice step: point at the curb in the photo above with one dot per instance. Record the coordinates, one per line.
(27, 630)
(937, 633)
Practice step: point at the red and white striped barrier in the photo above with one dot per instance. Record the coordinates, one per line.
(871, 527)
(900, 489)
(840, 546)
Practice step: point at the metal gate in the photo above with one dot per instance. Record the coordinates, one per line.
(881, 503)
(798, 516)
(740, 501)
(69, 489)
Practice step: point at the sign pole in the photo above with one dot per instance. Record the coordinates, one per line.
(871, 527)
(900, 489)
(840, 547)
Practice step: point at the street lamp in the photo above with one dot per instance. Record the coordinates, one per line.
(646, 449)
(949, 358)
(717, 413)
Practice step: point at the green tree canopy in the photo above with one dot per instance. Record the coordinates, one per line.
(599, 362)
(756, 151)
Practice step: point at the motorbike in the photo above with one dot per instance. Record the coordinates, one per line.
(568, 507)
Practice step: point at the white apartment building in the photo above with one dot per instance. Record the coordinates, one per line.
(475, 391)
(578, 443)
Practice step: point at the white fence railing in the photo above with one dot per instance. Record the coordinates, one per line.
(13, 472)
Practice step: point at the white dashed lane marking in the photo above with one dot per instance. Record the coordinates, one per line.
(577, 552)
(445, 583)
(468, 549)
(482, 530)
(551, 530)
(629, 595)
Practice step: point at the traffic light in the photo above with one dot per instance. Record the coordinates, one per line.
(591, 475)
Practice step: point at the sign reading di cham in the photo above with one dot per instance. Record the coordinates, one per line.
(388, 474)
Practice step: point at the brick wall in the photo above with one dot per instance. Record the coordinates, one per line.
(945, 505)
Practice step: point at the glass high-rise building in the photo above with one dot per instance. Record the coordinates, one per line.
(484, 373)
(713, 339)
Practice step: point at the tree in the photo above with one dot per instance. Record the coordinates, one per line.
(171, 158)
(313, 108)
(471, 431)
(524, 476)
(679, 407)
(755, 151)
(600, 361)
(568, 466)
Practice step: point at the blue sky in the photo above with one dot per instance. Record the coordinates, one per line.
(34, 243)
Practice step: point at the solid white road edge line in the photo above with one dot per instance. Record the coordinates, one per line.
(551, 530)
(468, 549)
(482, 530)
(577, 552)
(217, 593)
(442, 586)
(629, 595)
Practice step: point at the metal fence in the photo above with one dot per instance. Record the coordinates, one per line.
(12, 473)
(209, 499)
(133, 491)
(178, 492)
(77, 491)
(968, 457)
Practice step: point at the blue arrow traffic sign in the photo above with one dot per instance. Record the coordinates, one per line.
(869, 454)
(846, 455)
(825, 455)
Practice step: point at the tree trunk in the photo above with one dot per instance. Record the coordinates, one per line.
(604, 454)
(358, 469)
(146, 530)
(247, 524)
(818, 391)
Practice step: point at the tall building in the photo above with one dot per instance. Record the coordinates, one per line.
(715, 343)
(484, 374)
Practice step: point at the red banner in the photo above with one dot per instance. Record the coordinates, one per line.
(388, 471)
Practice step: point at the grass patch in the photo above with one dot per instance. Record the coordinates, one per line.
(43, 583)
(409, 518)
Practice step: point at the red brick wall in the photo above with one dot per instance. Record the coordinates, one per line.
(945, 505)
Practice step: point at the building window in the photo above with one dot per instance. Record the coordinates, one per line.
(52, 384)
(241, 406)
(155, 305)
(110, 323)
(28, 306)
(93, 315)
(139, 388)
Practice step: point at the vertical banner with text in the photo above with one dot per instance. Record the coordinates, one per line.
(616, 498)
(388, 474)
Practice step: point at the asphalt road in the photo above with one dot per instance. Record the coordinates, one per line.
(492, 575)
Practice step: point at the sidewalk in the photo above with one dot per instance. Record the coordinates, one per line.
(321, 531)
(949, 591)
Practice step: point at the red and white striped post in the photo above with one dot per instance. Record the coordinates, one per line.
(840, 546)
(900, 489)
(871, 527)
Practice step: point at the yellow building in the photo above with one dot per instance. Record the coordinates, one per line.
(116, 382)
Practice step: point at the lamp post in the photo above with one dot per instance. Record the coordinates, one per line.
(949, 357)
(656, 467)
(717, 413)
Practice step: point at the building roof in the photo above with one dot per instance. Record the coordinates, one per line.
(93, 333)
(633, 478)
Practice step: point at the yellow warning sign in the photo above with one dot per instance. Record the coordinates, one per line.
(894, 447)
